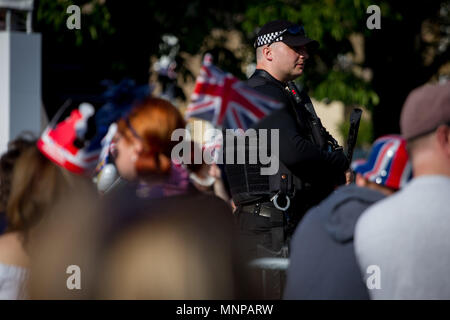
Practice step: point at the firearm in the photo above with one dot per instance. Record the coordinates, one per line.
(320, 136)
(355, 118)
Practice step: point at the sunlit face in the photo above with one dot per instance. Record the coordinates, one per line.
(288, 61)
(125, 156)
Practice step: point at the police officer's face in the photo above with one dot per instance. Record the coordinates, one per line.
(289, 61)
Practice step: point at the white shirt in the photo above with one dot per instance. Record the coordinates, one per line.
(407, 235)
(12, 282)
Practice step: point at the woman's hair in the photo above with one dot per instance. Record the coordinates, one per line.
(152, 122)
(37, 184)
(7, 161)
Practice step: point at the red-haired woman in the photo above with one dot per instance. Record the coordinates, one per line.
(144, 146)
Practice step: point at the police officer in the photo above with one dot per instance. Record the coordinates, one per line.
(282, 49)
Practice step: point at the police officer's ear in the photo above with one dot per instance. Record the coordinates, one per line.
(267, 53)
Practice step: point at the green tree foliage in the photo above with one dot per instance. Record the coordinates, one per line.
(52, 16)
(331, 23)
(117, 38)
(126, 34)
(394, 55)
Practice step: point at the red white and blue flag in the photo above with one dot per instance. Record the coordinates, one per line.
(225, 101)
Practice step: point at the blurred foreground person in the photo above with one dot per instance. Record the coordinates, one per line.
(323, 264)
(37, 185)
(174, 248)
(158, 236)
(405, 238)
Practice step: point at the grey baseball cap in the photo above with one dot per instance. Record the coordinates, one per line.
(426, 108)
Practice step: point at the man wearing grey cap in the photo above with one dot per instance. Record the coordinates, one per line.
(407, 236)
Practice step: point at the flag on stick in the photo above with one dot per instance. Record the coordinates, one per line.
(225, 101)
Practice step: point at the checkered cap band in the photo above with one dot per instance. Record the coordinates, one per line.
(268, 38)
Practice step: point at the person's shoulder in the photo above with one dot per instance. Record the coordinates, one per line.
(376, 218)
(272, 90)
(268, 88)
(277, 119)
(339, 204)
(11, 250)
(9, 241)
(318, 215)
(433, 183)
(374, 212)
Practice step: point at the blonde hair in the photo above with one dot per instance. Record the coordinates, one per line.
(7, 161)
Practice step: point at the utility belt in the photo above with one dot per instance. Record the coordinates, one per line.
(263, 209)
(248, 187)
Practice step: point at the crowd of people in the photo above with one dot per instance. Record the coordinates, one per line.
(173, 230)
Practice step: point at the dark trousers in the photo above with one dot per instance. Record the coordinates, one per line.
(262, 235)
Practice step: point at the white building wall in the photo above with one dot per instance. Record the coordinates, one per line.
(20, 85)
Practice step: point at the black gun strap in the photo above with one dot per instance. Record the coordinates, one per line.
(310, 118)
(264, 74)
(297, 116)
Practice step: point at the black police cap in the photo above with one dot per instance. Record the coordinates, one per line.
(290, 33)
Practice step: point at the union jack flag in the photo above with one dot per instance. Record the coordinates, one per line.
(225, 101)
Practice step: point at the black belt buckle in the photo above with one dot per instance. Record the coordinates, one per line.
(257, 209)
(266, 210)
(262, 209)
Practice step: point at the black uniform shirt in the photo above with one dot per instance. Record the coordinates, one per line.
(306, 160)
